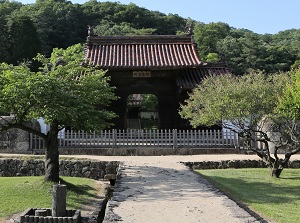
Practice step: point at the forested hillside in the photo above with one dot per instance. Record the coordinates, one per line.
(26, 30)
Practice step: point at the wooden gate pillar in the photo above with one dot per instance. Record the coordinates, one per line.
(167, 108)
(119, 107)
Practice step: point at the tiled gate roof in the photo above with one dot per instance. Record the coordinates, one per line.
(142, 52)
(191, 78)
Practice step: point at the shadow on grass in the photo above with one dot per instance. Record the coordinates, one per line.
(81, 189)
(86, 193)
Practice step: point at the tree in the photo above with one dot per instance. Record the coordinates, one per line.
(63, 92)
(6, 8)
(290, 100)
(59, 23)
(247, 105)
(108, 29)
(207, 36)
(247, 51)
(212, 57)
(137, 17)
(149, 102)
(289, 108)
(25, 42)
(232, 48)
(5, 41)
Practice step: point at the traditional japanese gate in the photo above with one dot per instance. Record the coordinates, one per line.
(166, 66)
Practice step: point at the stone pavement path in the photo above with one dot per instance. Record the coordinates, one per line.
(162, 191)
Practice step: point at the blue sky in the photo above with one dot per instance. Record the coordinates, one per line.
(260, 16)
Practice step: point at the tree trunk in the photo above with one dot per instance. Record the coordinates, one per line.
(276, 165)
(276, 172)
(52, 156)
(276, 168)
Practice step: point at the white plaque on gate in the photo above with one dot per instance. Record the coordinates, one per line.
(141, 74)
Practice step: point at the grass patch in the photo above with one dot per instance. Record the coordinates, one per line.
(19, 193)
(273, 198)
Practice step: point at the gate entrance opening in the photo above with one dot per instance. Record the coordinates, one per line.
(141, 112)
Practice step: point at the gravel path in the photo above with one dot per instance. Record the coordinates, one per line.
(163, 190)
(156, 192)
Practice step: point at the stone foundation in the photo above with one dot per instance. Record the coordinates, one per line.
(224, 164)
(32, 215)
(75, 168)
(16, 140)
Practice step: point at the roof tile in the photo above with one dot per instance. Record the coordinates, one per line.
(142, 52)
(191, 78)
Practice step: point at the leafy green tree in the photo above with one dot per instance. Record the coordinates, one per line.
(288, 38)
(95, 11)
(139, 18)
(63, 92)
(6, 9)
(212, 57)
(247, 51)
(5, 41)
(289, 109)
(296, 64)
(149, 102)
(207, 36)
(232, 48)
(278, 58)
(108, 29)
(169, 24)
(253, 52)
(130, 13)
(247, 105)
(25, 42)
(60, 24)
(290, 100)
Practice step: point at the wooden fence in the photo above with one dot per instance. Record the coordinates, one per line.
(143, 138)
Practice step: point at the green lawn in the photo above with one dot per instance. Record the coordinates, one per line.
(277, 199)
(20, 193)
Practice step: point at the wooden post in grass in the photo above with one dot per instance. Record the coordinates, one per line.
(59, 200)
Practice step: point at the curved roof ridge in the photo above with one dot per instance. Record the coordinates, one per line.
(139, 39)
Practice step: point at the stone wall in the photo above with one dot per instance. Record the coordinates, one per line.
(16, 140)
(75, 168)
(224, 164)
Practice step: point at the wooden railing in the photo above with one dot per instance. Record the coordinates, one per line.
(143, 138)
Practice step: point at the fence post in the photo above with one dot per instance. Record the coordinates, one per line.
(114, 135)
(66, 139)
(241, 142)
(174, 138)
(236, 140)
